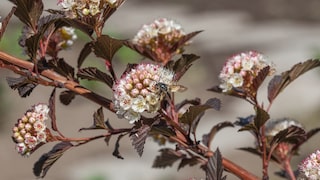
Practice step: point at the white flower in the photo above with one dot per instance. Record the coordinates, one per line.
(66, 4)
(310, 167)
(139, 104)
(241, 69)
(30, 130)
(136, 91)
(39, 126)
(42, 136)
(21, 148)
(236, 80)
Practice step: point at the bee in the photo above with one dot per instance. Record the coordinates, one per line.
(166, 90)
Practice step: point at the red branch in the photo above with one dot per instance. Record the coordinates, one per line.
(17, 65)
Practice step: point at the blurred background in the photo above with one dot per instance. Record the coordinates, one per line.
(286, 31)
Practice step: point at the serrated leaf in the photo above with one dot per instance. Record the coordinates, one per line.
(93, 73)
(309, 134)
(188, 161)
(248, 127)
(235, 92)
(261, 117)
(207, 138)
(182, 65)
(292, 135)
(23, 84)
(98, 121)
(194, 111)
(183, 40)
(139, 138)
(214, 167)
(280, 82)
(32, 44)
(62, 67)
(108, 11)
(66, 97)
(52, 112)
(142, 51)
(163, 130)
(167, 158)
(28, 11)
(258, 80)
(85, 51)
(312, 132)
(5, 21)
(116, 151)
(195, 102)
(46, 161)
(106, 46)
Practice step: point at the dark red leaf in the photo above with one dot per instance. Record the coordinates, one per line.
(62, 67)
(183, 40)
(66, 97)
(214, 167)
(188, 161)
(23, 84)
(182, 65)
(280, 82)
(139, 137)
(167, 158)
(5, 21)
(93, 73)
(194, 111)
(29, 11)
(52, 112)
(46, 161)
(116, 152)
(207, 138)
(106, 46)
(85, 51)
(98, 121)
(261, 118)
(292, 135)
(257, 81)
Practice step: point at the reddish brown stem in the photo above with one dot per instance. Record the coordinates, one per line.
(75, 87)
(60, 80)
(288, 169)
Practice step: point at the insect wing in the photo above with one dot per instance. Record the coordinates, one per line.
(178, 88)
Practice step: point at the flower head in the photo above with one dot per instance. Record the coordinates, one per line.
(275, 126)
(240, 70)
(310, 167)
(81, 8)
(136, 91)
(159, 37)
(65, 37)
(30, 130)
(283, 150)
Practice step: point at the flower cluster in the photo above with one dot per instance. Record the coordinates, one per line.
(275, 126)
(159, 36)
(30, 130)
(75, 8)
(240, 70)
(310, 167)
(137, 90)
(283, 150)
(65, 36)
